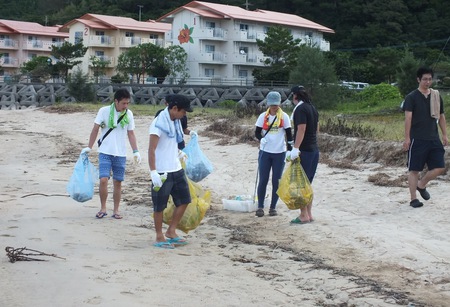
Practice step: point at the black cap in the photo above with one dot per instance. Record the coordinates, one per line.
(298, 88)
(181, 101)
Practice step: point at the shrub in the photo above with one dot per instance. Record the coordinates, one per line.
(79, 87)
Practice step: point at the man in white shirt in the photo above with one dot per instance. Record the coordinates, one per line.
(116, 123)
(168, 176)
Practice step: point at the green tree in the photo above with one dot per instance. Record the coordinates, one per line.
(342, 63)
(79, 87)
(317, 74)
(175, 60)
(39, 69)
(406, 74)
(67, 56)
(142, 60)
(98, 66)
(280, 48)
(383, 64)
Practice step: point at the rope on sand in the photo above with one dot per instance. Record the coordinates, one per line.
(18, 254)
(42, 194)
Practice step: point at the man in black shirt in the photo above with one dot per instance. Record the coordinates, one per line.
(422, 136)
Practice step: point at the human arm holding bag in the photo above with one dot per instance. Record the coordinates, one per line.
(92, 138)
(295, 152)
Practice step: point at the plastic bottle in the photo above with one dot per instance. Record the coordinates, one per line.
(163, 179)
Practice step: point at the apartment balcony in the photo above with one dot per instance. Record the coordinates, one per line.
(8, 43)
(251, 59)
(9, 62)
(319, 42)
(105, 58)
(211, 33)
(157, 41)
(210, 57)
(100, 41)
(243, 36)
(128, 42)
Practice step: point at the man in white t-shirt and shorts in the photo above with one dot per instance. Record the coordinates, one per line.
(112, 147)
(168, 176)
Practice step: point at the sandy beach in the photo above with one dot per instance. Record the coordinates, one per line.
(366, 247)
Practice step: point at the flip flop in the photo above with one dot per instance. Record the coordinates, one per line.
(298, 221)
(117, 216)
(177, 241)
(101, 214)
(164, 245)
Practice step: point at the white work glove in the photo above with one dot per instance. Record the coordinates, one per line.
(86, 150)
(182, 156)
(294, 153)
(157, 179)
(137, 157)
(192, 133)
(288, 156)
(263, 142)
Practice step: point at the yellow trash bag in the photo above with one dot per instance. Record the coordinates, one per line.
(295, 189)
(195, 211)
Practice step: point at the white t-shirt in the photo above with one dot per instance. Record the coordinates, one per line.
(115, 143)
(166, 153)
(276, 138)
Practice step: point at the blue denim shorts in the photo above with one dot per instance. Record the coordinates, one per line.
(309, 161)
(176, 185)
(108, 163)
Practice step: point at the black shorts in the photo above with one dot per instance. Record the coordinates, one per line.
(427, 152)
(176, 185)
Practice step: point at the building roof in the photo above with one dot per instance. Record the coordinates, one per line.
(31, 28)
(223, 11)
(118, 23)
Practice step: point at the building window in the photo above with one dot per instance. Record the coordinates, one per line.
(243, 27)
(99, 53)
(78, 37)
(100, 33)
(243, 73)
(129, 34)
(210, 48)
(210, 24)
(209, 72)
(153, 36)
(243, 50)
(266, 29)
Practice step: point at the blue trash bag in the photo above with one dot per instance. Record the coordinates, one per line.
(197, 164)
(81, 183)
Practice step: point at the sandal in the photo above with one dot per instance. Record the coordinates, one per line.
(117, 216)
(297, 220)
(101, 214)
(164, 245)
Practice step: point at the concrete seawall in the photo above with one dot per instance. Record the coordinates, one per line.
(17, 96)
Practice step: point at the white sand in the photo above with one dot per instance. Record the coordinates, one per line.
(367, 247)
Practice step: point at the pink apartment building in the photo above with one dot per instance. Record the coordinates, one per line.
(21, 41)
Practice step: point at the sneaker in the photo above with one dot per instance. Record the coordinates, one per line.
(260, 212)
(415, 203)
(273, 212)
(424, 193)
